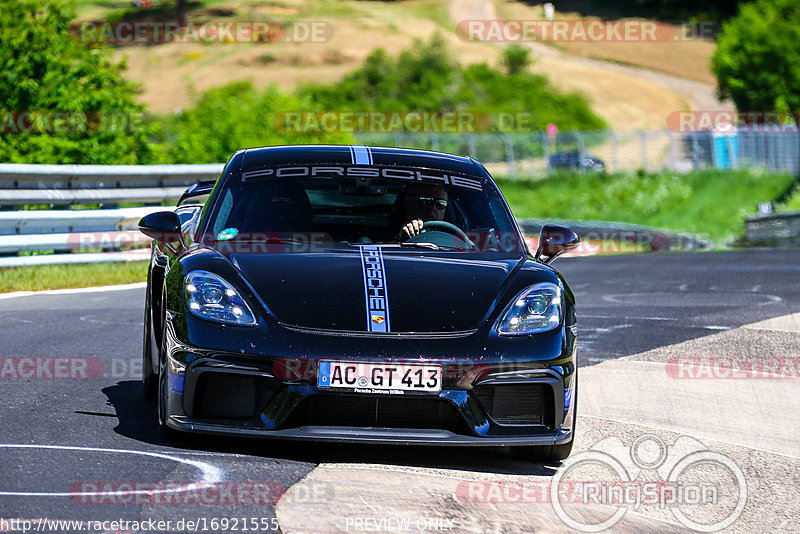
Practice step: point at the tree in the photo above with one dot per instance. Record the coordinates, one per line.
(425, 77)
(700, 9)
(233, 116)
(516, 58)
(47, 69)
(757, 60)
(182, 12)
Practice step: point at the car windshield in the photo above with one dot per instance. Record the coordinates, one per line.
(361, 206)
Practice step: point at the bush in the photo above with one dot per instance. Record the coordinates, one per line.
(46, 70)
(757, 60)
(516, 58)
(425, 78)
(231, 117)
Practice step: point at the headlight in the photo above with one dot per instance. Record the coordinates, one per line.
(537, 309)
(209, 296)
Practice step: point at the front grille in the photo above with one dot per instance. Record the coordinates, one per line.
(231, 396)
(384, 412)
(518, 404)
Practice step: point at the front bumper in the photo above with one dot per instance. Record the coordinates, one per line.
(394, 436)
(268, 398)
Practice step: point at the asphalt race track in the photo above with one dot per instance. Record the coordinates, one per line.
(663, 341)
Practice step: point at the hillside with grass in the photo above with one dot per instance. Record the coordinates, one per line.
(612, 76)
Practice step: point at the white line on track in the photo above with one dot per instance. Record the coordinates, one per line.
(210, 473)
(628, 317)
(70, 291)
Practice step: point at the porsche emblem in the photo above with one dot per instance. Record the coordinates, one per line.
(378, 319)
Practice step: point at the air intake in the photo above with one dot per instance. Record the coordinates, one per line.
(518, 404)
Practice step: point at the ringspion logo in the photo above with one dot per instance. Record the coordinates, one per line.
(689, 477)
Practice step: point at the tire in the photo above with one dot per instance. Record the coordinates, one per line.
(551, 453)
(163, 392)
(149, 377)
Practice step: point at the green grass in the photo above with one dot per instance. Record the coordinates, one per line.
(710, 203)
(71, 275)
(792, 202)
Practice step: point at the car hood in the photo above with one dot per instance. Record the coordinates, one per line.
(426, 292)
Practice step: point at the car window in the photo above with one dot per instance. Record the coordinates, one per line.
(224, 211)
(342, 210)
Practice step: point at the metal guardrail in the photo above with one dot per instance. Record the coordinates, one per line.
(652, 239)
(64, 197)
(27, 222)
(23, 176)
(59, 259)
(65, 230)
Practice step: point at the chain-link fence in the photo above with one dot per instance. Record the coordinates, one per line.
(536, 154)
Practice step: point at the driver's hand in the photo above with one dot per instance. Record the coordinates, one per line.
(410, 229)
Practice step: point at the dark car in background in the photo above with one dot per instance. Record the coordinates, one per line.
(290, 304)
(575, 161)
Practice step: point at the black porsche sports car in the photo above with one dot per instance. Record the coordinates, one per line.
(348, 293)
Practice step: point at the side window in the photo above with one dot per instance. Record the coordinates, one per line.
(499, 214)
(220, 222)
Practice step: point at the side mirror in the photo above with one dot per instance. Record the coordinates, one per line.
(554, 241)
(163, 226)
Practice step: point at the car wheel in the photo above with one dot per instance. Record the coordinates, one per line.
(149, 377)
(163, 392)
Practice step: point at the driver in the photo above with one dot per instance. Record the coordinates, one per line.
(420, 203)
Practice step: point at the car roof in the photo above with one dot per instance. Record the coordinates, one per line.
(353, 154)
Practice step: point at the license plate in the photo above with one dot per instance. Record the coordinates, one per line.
(364, 377)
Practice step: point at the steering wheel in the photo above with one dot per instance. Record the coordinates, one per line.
(450, 229)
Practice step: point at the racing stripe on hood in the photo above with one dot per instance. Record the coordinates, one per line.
(360, 155)
(375, 293)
